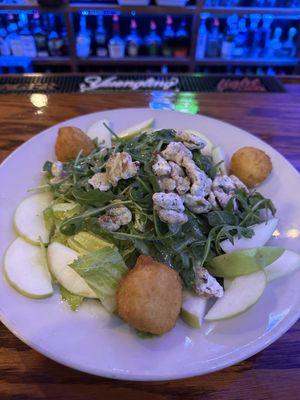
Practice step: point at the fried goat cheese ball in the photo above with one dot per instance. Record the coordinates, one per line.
(149, 298)
(70, 141)
(252, 166)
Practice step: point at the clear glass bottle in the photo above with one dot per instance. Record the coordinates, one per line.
(83, 39)
(153, 41)
(133, 40)
(289, 48)
(254, 36)
(181, 44)
(265, 33)
(4, 44)
(116, 45)
(202, 37)
(168, 38)
(13, 37)
(40, 35)
(213, 41)
(27, 39)
(101, 38)
(240, 40)
(275, 43)
(228, 42)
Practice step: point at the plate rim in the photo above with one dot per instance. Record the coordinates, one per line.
(245, 352)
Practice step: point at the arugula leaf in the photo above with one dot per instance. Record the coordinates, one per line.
(222, 218)
(93, 197)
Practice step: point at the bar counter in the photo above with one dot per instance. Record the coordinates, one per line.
(273, 374)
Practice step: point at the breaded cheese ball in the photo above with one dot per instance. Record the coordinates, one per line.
(149, 298)
(70, 141)
(252, 166)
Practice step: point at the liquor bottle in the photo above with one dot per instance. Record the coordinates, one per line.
(213, 41)
(27, 40)
(202, 37)
(254, 36)
(13, 37)
(168, 38)
(153, 41)
(55, 41)
(241, 38)
(228, 42)
(64, 37)
(4, 45)
(100, 38)
(275, 45)
(181, 41)
(116, 45)
(265, 33)
(133, 40)
(289, 48)
(83, 39)
(40, 36)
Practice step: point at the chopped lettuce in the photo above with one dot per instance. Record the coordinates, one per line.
(102, 270)
(49, 219)
(85, 242)
(59, 237)
(90, 241)
(63, 211)
(73, 300)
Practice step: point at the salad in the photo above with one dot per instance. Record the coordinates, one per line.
(151, 223)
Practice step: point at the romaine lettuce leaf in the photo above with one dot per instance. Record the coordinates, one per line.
(73, 300)
(102, 270)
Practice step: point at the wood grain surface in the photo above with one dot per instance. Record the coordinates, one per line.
(272, 374)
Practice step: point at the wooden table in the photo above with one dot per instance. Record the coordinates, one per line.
(272, 374)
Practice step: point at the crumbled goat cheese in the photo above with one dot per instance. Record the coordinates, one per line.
(201, 183)
(57, 169)
(161, 166)
(182, 181)
(166, 184)
(176, 151)
(114, 218)
(172, 217)
(120, 166)
(100, 181)
(206, 285)
(168, 201)
(197, 204)
(224, 187)
(190, 140)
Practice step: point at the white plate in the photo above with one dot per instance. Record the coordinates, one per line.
(90, 340)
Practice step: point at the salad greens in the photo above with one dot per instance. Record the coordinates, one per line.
(193, 243)
(73, 300)
(102, 270)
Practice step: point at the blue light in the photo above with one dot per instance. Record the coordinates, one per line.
(99, 12)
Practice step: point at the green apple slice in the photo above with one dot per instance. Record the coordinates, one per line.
(242, 294)
(59, 259)
(218, 155)
(29, 220)
(262, 233)
(243, 262)
(99, 131)
(135, 130)
(207, 151)
(286, 264)
(227, 282)
(193, 309)
(26, 270)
